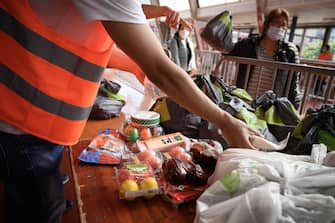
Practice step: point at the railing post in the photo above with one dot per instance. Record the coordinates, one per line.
(289, 83)
(247, 77)
(315, 88)
(306, 92)
(236, 71)
(274, 77)
(330, 83)
(259, 80)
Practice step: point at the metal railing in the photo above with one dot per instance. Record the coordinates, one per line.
(319, 63)
(317, 84)
(206, 60)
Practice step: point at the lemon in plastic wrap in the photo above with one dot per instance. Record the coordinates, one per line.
(149, 183)
(127, 186)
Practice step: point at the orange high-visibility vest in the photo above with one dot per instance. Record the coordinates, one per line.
(47, 82)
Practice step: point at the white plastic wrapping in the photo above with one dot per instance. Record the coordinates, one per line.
(255, 186)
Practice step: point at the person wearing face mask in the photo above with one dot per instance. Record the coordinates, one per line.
(182, 52)
(269, 45)
(325, 53)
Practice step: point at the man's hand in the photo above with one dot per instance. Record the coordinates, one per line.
(238, 134)
(173, 18)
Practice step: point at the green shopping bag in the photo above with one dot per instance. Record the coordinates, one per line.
(318, 126)
(279, 114)
(218, 32)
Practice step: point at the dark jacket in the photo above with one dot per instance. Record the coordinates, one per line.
(287, 52)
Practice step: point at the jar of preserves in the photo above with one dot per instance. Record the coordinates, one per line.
(143, 125)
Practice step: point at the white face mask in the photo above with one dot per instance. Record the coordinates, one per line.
(183, 33)
(275, 33)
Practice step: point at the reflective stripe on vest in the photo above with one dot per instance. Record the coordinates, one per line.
(47, 84)
(48, 50)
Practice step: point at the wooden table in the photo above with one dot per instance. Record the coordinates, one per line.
(99, 191)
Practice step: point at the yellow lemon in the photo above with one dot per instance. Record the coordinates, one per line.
(149, 183)
(128, 185)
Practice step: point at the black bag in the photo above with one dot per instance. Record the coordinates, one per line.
(279, 113)
(108, 102)
(318, 126)
(218, 32)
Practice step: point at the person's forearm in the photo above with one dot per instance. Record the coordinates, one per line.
(154, 11)
(182, 90)
(148, 53)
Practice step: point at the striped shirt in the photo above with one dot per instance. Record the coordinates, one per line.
(261, 78)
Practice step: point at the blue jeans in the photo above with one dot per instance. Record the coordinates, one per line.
(29, 167)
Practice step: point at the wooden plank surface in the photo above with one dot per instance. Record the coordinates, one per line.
(72, 215)
(101, 203)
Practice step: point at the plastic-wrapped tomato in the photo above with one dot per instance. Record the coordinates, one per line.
(155, 162)
(127, 128)
(176, 151)
(146, 154)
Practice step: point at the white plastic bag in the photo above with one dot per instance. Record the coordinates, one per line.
(258, 205)
(256, 186)
(151, 94)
